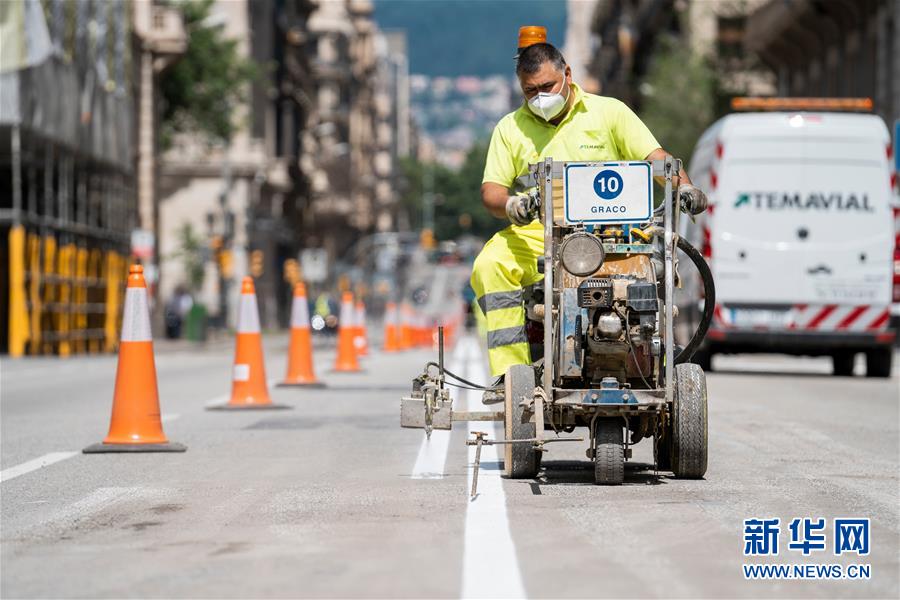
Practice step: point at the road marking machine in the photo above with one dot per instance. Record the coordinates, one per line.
(609, 360)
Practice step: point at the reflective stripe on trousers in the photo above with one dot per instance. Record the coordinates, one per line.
(506, 264)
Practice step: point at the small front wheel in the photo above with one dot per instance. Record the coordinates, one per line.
(609, 455)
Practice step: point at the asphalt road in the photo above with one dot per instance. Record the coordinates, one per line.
(334, 499)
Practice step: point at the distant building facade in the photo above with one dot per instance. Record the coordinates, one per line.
(835, 48)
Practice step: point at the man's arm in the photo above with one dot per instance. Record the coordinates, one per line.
(660, 154)
(494, 197)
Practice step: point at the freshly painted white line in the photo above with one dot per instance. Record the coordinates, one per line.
(167, 417)
(33, 465)
(490, 563)
(433, 453)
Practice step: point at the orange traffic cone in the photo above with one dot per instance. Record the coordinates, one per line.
(361, 341)
(136, 425)
(249, 389)
(391, 334)
(346, 361)
(300, 364)
(406, 331)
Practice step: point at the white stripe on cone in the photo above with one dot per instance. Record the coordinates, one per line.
(248, 316)
(390, 318)
(347, 316)
(136, 316)
(299, 313)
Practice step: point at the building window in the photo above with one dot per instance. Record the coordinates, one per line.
(730, 39)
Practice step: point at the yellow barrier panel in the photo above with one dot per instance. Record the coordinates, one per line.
(66, 255)
(18, 314)
(81, 322)
(113, 267)
(49, 320)
(34, 292)
(93, 296)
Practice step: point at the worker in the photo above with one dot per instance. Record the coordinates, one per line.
(561, 121)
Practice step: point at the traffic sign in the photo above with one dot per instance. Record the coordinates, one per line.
(314, 264)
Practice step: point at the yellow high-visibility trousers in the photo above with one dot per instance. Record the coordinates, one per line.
(506, 264)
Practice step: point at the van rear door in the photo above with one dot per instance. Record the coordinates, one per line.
(802, 221)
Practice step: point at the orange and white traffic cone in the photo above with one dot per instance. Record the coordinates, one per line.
(249, 389)
(361, 342)
(135, 425)
(300, 363)
(346, 361)
(391, 333)
(406, 330)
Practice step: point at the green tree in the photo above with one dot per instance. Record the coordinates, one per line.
(202, 90)
(458, 208)
(191, 253)
(679, 97)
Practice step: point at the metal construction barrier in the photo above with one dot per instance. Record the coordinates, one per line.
(65, 301)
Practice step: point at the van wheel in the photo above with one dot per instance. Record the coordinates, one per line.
(843, 363)
(879, 362)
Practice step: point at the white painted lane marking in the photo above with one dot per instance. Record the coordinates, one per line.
(33, 465)
(433, 453)
(490, 563)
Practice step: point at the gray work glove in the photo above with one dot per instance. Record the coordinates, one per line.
(521, 210)
(691, 199)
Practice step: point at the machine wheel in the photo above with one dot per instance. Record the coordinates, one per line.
(689, 445)
(843, 363)
(609, 459)
(879, 362)
(521, 461)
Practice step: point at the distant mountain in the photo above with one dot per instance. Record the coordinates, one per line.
(468, 37)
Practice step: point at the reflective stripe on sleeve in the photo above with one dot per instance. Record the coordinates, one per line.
(499, 300)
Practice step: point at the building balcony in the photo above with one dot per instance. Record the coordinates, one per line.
(166, 35)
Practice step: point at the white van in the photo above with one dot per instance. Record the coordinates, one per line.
(799, 235)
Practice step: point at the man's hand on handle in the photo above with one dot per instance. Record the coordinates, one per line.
(523, 209)
(691, 199)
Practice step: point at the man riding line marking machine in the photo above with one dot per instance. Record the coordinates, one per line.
(588, 267)
(558, 120)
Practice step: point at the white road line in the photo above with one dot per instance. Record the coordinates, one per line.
(490, 563)
(433, 453)
(33, 465)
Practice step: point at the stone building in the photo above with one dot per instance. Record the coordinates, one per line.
(837, 48)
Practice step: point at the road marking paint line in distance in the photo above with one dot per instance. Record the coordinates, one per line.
(433, 453)
(490, 563)
(33, 465)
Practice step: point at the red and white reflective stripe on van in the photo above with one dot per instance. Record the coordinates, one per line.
(819, 317)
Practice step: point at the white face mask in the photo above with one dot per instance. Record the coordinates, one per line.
(548, 106)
